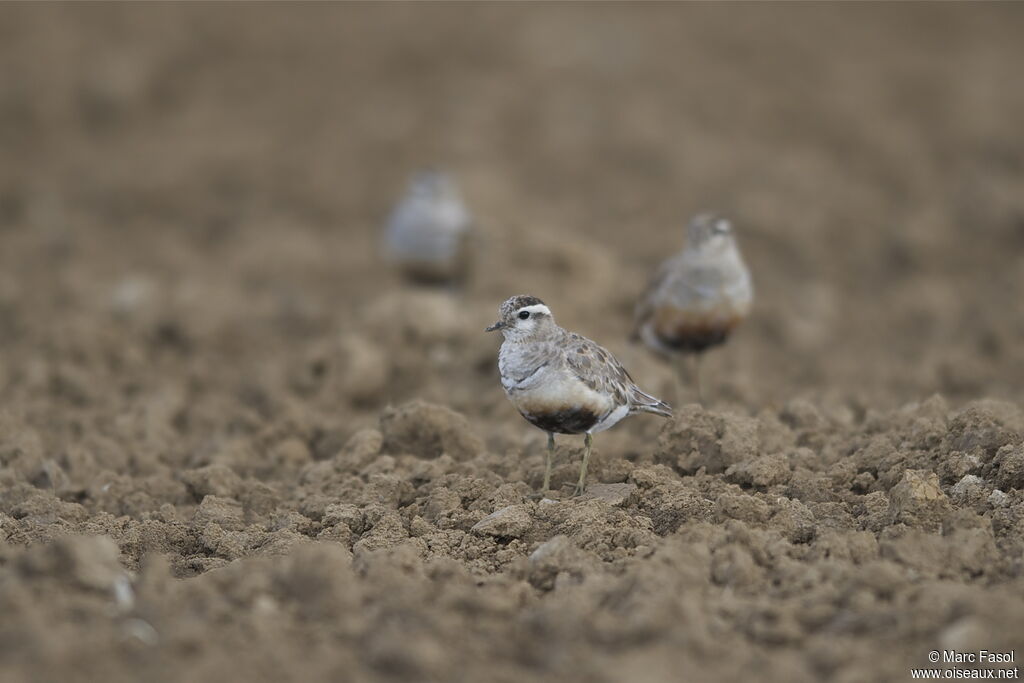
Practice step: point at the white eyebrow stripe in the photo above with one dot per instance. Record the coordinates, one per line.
(536, 308)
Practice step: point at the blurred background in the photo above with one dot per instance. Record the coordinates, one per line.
(221, 175)
(191, 200)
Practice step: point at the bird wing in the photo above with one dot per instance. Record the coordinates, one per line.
(645, 305)
(679, 279)
(596, 367)
(601, 371)
(682, 282)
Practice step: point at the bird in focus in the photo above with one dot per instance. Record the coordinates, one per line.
(697, 297)
(427, 235)
(562, 382)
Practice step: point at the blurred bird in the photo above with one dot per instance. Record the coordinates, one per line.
(563, 382)
(427, 234)
(697, 297)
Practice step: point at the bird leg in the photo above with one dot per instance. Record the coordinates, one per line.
(581, 485)
(550, 457)
(696, 377)
(678, 363)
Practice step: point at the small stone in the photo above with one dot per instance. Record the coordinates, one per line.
(508, 522)
(963, 487)
(918, 501)
(998, 499)
(140, 630)
(616, 495)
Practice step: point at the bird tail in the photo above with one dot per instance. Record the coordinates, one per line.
(645, 403)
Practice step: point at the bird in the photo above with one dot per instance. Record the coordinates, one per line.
(696, 298)
(427, 234)
(562, 382)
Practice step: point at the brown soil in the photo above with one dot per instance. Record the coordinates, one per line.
(233, 447)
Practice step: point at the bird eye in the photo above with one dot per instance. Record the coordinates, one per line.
(523, 315)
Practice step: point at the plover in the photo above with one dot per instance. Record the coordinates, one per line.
(698, 296)
(562, 382)
(427, 234)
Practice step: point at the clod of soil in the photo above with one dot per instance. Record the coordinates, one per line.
(233, 446)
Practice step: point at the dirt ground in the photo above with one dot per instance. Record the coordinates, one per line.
(233, 446)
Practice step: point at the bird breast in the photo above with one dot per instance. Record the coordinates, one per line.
(549, 396)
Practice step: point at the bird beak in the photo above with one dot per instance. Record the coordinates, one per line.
(496, 326)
